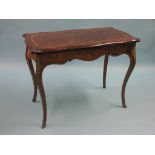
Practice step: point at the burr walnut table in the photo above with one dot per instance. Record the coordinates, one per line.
(47, 48)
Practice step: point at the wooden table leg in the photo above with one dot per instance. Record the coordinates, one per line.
(31, 68)
(132, 56)
(39, 71)
(105, 70)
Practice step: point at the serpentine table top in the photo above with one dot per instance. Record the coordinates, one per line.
(43, 42)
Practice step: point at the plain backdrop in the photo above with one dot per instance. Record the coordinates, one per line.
(12, 45)
(77, 104)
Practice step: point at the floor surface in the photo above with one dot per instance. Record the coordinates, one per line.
(77, 103)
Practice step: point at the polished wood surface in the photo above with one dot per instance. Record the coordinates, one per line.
(76, 39)
(47, 48)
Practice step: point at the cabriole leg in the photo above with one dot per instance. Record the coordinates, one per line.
(132, 57)
(31, 68)
(39, 72)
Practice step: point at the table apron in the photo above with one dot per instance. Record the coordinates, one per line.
(88, 54)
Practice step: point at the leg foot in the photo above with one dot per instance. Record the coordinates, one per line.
(43, 124)
(132, 57)
(124, 105)
(105, 70)
(35, 94)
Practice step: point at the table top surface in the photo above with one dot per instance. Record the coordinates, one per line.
(42, 42)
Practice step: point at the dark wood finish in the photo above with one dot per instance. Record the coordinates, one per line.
(44, 42)
(105, 70)
(132, 57)
(30, 65)
(47, 48)
(39, 71)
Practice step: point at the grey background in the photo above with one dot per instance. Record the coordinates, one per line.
(76, 102)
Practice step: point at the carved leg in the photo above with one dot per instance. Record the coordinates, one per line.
(105, 70)
(132, 57)
(39, 71)
(31, 68)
